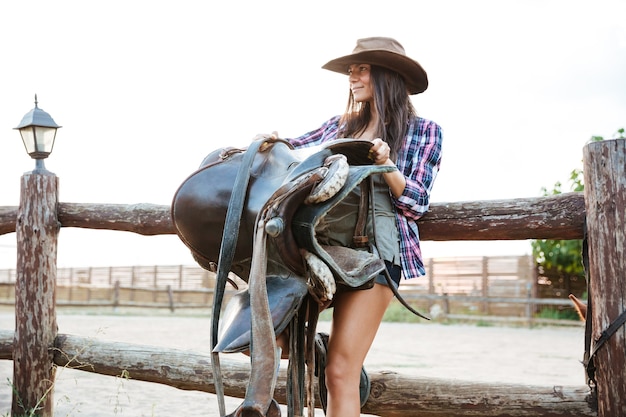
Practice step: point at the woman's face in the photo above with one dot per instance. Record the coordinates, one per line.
(360, 85)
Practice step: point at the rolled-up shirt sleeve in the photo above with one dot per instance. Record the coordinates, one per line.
(419, 161)
(326, 132)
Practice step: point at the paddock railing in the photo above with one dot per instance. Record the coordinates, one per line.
(468, 275)
(470, 287)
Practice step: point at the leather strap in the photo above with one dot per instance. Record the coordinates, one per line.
(297, 359)
(227, 252)
(359, 237)
(608, 332)
(260, 391)
(309, 352)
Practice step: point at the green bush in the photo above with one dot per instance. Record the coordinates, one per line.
(557, 313)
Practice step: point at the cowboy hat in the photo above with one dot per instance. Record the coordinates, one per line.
(387, 53)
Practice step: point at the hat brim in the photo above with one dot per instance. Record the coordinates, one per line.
(414, 75)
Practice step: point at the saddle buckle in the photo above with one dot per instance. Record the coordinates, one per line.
(360, 241)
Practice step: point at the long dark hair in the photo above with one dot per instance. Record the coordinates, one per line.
(393, 106)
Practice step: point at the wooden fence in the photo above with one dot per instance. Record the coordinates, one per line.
(159, 286)
(469, 288)
(480, 275)
(599, 215)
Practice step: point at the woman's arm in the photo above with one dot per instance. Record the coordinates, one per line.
(379, 153)
(419, 163)
(326, 132)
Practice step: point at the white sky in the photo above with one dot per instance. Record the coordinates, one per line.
(145, 89)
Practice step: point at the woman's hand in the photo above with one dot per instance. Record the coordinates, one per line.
(379, 153)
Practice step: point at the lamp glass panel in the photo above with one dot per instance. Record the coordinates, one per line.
(38, 140)
(45, 138)
(28, 137)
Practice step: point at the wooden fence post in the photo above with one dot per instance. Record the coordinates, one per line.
(430, 273)
(116, 295)
(484, 286)
(37, 231)
(530, 308)
(155, 282)
(605, 200)
(170, 297)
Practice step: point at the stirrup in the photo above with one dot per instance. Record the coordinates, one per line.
(321, 349)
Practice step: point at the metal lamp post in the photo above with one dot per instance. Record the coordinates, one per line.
(37, 231)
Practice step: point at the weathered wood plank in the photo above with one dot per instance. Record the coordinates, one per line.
(554, 217)
(35, 318)
(8, 217)
(395, 395)
(144, 219)
(6, 344)
(605, 196)
(392, 394)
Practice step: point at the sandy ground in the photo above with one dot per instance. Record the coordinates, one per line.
(544, 356)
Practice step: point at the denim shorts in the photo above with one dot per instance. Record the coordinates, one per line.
(395, 272)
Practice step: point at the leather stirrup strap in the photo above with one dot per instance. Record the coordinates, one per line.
(297, 360)
(227, 252)
(309, 352)
(263, 366)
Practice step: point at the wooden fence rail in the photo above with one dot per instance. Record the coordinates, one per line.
(465, 308)
(451, 306)
(393, 394)
(478, 275)
(488, 277)
(554, 217)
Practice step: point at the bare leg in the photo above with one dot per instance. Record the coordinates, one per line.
(356, 318)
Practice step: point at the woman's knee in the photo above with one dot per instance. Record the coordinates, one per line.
(342, 374)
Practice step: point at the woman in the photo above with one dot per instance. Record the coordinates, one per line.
(382, 78)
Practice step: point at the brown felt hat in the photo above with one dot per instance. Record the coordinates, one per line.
(387, 53)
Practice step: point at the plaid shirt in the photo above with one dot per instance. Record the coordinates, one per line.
(419, 160)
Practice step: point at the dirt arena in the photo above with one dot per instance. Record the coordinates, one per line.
(544, 356)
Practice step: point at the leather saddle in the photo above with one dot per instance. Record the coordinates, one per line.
(201, 202)
(253, 212)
